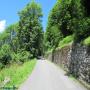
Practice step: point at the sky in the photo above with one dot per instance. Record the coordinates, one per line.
(9, 11)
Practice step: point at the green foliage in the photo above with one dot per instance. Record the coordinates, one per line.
(8, 44)
(86, 6)
(65, 15)
(5, 54)
(70, 18)
(4, 35)
(8, 35)
(12, 27)
(13, 39)
(30, 29)
(15, 44)
(21, 56)
(17, 73)
(67, 22)
(67, 40)
(1, 65)
(23, 40)
(82, 29)
(52, 37)
(87, 41)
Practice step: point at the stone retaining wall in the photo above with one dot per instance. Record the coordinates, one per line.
(75, 59)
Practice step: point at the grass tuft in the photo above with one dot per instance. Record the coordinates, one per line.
(67, 40)
(87, 41)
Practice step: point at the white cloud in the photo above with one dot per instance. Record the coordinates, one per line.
(2, 25)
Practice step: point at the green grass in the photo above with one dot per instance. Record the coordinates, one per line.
(17, 73)
(87, 41)
(49, 51)
(67, 40)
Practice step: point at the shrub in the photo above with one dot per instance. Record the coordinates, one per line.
(21, 56)
(15, 57)
(24, 56)
(5, 54)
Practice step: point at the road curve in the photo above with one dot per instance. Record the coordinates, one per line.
(47, 76)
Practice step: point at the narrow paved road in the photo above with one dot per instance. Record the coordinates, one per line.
(47, 76)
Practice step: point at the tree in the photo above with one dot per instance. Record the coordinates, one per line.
(69, 16)
(9, 35)
(52, 37)
(82, 30)
(5, 54)
(86, 7)
(13, 39)
(30, 28)
(64, 13)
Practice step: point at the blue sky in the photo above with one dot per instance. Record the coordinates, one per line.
(10, 8)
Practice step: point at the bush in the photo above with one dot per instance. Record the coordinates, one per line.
(15, 57)
(24, 56)
(21, 56)
(5, 54)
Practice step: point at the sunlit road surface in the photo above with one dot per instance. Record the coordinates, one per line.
(47, 76)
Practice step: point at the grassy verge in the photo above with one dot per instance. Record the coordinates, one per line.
(66, 41)
(17, 73)
(87, 41)
(49, 51)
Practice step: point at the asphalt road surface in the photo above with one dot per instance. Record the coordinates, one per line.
(47, 76)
